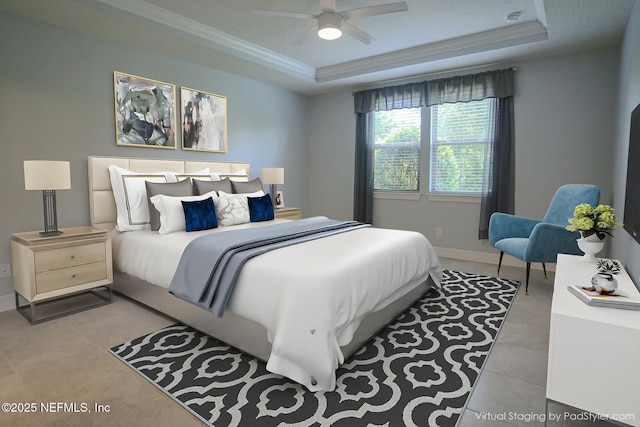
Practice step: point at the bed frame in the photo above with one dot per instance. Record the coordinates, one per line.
(232, 329)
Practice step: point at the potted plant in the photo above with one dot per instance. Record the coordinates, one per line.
(591, 221)
(594, 225)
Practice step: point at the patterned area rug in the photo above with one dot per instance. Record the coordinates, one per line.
(419, 371)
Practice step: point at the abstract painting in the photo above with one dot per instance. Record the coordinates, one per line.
(145, 112)
(204, 121)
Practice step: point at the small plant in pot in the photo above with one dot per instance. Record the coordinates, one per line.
(603, 281)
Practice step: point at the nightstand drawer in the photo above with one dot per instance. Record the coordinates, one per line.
(70, 256)
(71, 276)
(287, 213)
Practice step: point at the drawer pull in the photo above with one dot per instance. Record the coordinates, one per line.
(73, 256)
(73, 276)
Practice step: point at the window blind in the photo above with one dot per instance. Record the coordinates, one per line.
(397, 136)
(460, 141)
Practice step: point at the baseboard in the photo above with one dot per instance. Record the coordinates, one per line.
(487, 258)
(7, 302)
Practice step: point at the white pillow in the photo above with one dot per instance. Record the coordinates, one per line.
(233, 209)
(171, 211)
(203, 174)
(239, 175)
(130, 194)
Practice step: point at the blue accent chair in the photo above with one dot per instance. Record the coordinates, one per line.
(532, 240)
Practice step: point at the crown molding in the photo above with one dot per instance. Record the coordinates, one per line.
(512, 35)
(212, 38)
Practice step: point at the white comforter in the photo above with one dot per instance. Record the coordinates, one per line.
(310, 297)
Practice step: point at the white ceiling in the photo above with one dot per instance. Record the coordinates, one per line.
(433, 36)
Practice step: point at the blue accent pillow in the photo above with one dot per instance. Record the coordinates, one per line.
(260, 208)
(200, 215)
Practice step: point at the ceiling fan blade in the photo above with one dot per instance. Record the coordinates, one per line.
(306, 36)
(284, 14)
(382, 9)
(357, 33)
(328, 5)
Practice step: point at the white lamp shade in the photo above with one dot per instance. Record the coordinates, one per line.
(329, 26)
(47, 175)
(273, 175)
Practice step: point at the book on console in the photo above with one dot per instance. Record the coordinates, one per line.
(619, 299)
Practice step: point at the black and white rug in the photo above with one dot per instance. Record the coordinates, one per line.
(419, 371)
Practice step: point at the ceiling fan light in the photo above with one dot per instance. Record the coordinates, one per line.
(329, 26)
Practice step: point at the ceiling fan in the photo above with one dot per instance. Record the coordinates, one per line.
(331, 23)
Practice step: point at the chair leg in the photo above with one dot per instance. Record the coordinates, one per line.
(526, 289)
(544, 268)
(500, 263)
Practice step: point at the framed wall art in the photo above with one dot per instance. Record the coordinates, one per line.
(279, 202)
(204, 121)
(145, 112)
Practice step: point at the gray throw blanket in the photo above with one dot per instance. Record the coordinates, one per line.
(210, 264)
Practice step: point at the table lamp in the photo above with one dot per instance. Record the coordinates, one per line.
(48, 176)
(273, 177)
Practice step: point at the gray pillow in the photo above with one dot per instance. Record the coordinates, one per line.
(203, 187)
(240, 187)
(175, 189)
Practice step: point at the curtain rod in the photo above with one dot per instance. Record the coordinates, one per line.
(422, 76)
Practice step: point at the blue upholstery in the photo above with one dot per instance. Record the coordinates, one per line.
(261, 208)
(534, 240)
(200, 215)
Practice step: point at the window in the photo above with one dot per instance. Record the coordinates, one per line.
(460, 142)
(397, 150)
(459, 136)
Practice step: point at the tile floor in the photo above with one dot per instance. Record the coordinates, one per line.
(65, 361)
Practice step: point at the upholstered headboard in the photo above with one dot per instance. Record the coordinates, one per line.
(102, 206)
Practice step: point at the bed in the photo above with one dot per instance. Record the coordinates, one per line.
(291, 307)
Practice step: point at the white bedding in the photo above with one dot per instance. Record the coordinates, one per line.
(310, 297)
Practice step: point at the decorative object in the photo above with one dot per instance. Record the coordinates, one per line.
(204, 121)
(273, 177)
(593, 221)
(145, 112)
(594, 225)
(603, 281)
(409, 371)
(279, 200)
(590, 246)
(48, 176)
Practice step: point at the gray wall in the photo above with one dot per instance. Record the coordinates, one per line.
(624, 246)
(564, 121)
(57, 103)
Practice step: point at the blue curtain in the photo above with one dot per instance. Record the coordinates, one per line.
(363, 191)
(499, 178)
(497, 193)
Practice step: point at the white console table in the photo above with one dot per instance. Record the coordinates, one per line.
(594, 352)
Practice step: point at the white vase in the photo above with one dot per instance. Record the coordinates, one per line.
(590, 246)
(604, 283)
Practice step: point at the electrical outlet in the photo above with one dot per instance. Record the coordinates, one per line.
(5, 270)
(439, 232)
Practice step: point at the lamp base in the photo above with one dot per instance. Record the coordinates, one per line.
(50, 214)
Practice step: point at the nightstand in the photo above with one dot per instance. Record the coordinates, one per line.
(288, 213)
(67, 273)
